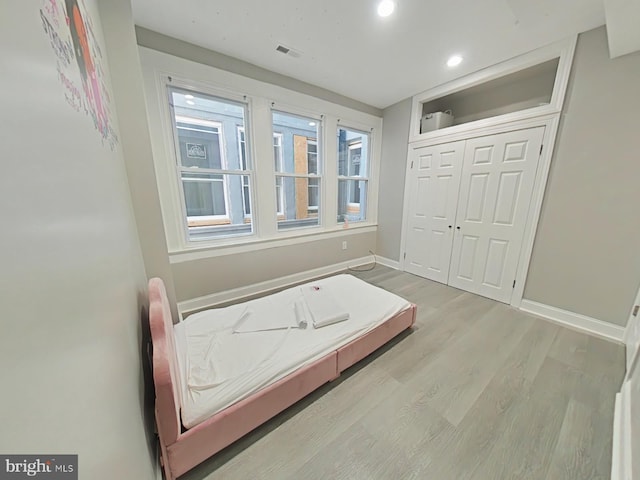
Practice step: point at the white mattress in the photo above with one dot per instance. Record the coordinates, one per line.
(219, 367)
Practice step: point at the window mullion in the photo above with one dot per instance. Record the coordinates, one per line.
(329, 187)
(264, 168)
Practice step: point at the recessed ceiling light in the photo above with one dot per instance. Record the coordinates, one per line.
(190, 102)
(188, 96)
(386, 8)
(312, 124)
(454, 61)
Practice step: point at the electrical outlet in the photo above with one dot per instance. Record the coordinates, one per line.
(344, 245)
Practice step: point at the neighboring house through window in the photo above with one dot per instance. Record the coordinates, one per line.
(215, 175)
(353, 175)
(298, 174)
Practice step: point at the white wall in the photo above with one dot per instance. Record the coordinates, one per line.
(72, 282)
(393, 166)
(127, 85)
(585, 257)
(178, 48)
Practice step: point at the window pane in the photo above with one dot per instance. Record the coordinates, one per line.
(201, 122)
(204, 196)
(246, 195)
(352, 200)
(353, 148)
(242, 145)
(199, 145)
(298, 144)
(312, 157)
(279, 196)
(298, 210)
(209, 213)
(314, 193)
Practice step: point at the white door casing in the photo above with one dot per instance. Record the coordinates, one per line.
(498, 176)
(434, 182)
(632, 334)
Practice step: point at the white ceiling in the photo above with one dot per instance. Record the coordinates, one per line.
(346, 48)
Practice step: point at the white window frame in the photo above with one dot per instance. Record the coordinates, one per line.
(360, 178)
(190, 225)
(313, 208)
(353, 146)
(223, 164)
(278, 136)
(244, 164)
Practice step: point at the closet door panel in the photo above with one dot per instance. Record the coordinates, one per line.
(434, 183)
(497, 181)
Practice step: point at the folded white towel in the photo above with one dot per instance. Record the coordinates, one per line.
(325, 309)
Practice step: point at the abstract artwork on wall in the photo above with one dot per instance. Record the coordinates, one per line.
(79, 60)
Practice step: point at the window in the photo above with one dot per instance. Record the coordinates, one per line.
(353, 175)
(312, 167)
(215, 177)
(244, 165)
(235, 175)
(298, 170)
(277, 156)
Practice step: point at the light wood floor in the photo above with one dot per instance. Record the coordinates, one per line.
(477, 391)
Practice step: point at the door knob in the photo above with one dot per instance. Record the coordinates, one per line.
(458, 227)
(450, 226)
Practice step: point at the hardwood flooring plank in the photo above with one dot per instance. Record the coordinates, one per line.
(355, 455)
(579, 446)
(527, 440)
(433, 334)
(462, 453)
(405, 420)
(603, 359)
(457, 377)
(570, 347)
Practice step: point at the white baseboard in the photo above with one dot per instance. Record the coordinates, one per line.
(213, 299)
(387, 262)
(585, 324)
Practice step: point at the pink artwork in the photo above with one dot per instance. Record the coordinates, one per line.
(69, 28)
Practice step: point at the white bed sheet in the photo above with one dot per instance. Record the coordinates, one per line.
(218, 367)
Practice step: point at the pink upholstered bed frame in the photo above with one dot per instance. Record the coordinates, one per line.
(181, 451)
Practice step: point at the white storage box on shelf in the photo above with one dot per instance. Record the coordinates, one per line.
(436, 121)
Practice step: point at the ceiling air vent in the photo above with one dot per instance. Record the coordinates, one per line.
(288, 51)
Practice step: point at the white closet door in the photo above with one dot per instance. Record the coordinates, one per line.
(434, 184)
(497, 181)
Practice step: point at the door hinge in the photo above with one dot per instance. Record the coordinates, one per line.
(541, 149)
(635, 310)
(405, 255)
(411, 163)
(514, 284)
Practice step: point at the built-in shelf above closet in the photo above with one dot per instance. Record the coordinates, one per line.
(527, 86)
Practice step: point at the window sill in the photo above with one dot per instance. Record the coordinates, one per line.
(241, 245)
